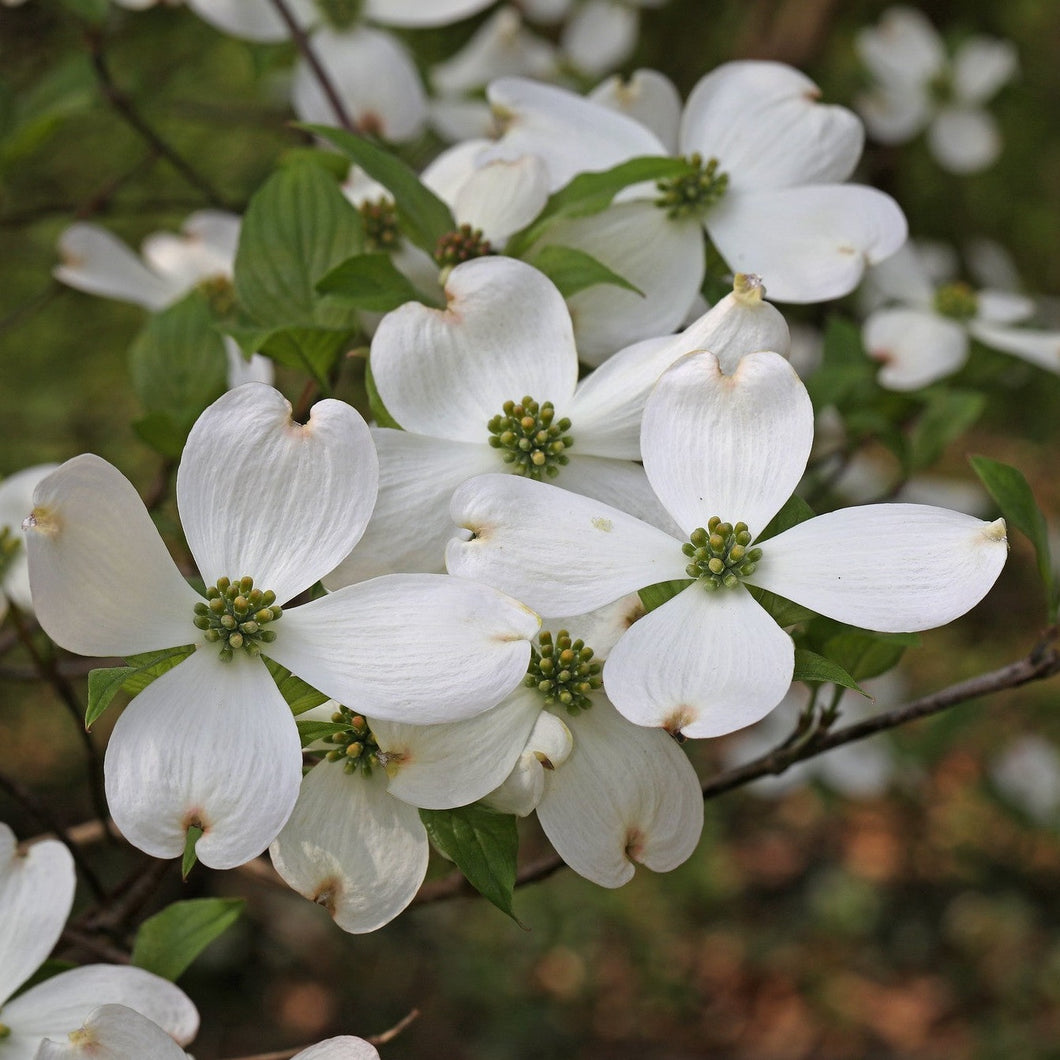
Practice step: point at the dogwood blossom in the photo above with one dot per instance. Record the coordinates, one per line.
(919, 86)
(924, 333)
(723, 452)
(454, 378)
(36, 893)
(16, 498)
(268, 506)
(95, 261)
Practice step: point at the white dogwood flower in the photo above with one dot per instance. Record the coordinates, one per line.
(268, 506)
(16, 498)
(36, 893)
(920, 87)
(923, 331)
(723, 452)
(490, 383)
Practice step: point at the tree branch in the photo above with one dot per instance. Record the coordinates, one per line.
(375, 1039)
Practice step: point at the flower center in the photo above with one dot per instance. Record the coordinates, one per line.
(695, 193)
(530, 438)
(719, 554)
(340, 14)
(956, 300)
(5, 1031)
(380, 224)
(235, 616)
(9, 549)
(563, 672)
(357, 750)
(462, 244)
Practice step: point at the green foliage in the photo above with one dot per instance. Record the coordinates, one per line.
(483, 845)
(187, 861)
(846, 377)
(375, 402)
(653, 596)
(298, 695)
(371, 282)
(792, 512)
(105, 683)
(947, 414)
(169, 941)
(422, 216)
(815, 669)
(311, 731)
(573, 270)
(1013, 495)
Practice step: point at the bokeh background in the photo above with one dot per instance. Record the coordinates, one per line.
(919, 921)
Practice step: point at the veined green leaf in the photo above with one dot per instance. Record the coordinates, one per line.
(298, 695)
(169, 941)
(653, 596)
(947, 415)
(371, 282)
(809, 666)
(105, 683)
(573, 270)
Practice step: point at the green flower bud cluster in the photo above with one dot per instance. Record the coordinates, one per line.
(5, 1031)
(341, 14)
(357, 750)
(235, 616)
(462, 245)
(10, 544)
(719, 554)
(381, 230)
(957, 301)
(220, 292)
(531, 438)
(694, 194)
(563, 671)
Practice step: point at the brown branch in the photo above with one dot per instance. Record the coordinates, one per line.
(375, 1039)
(125, 107)
(307, 51)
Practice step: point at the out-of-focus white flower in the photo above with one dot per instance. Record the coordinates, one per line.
(36, 893)
(1027, 773)
(919, 86)
(923, 334)
(16, 498)
(719, 448)
(268, 507)
(96, 262)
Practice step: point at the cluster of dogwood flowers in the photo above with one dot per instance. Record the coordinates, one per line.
(663, 465)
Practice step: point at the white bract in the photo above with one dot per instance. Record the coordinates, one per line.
(36, 892)
(97, 262)
(919, 87)
(505, 335)
(268, 507)
(16, 498)
(723, 453)
(923, 333)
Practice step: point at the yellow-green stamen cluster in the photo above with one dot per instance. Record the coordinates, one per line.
(719, 554)
(341, 14)
(235, 616)
(10, 544)
(563, 671)
(5, 1031)
(461, 245)
(530, 438)
(357, 750)
(957, 301)
(380, 224)
(220, 292)
(692, 195)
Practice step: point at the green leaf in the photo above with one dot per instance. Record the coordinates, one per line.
(589, 193)
(793, 511)
(864, 654)
(94, 11)
(370, 281)
(299, 695)
(653, 596)
(846, 370)
(169, 941)
(105, 683)
(338, 166)
(947, 415)
(784, 612)
(421, 214)
(1014, 496)
(483, 845)
(809, 666)
(314, 351)
(311, 731)
(178, 361)
(297, 228)
(158, 430)
(572, 270)
(187, 862)
(375, 402)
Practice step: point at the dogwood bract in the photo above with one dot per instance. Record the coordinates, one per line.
(268, 506)
(36, 893)
(723, 453)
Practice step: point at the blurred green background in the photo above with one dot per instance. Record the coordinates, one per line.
(921, 924)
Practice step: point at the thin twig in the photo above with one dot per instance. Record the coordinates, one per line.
(121, 102)
(98, 947)
(307, 51)
(28, 801)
